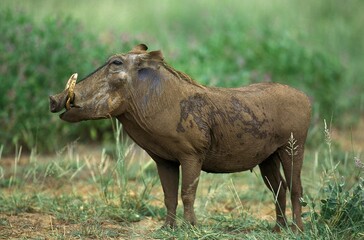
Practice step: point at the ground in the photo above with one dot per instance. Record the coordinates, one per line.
(76, 171)
(38, 223)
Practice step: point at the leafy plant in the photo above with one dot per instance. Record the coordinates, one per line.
(343, 209)
(35, 60)
(340, 211)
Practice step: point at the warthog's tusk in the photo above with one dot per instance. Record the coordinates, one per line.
(71, 87)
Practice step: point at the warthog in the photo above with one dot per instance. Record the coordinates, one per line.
(182, 124)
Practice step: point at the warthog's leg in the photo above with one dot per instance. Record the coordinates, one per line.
(169, 175)
(275, 182)
(292, 172)
(191, 168)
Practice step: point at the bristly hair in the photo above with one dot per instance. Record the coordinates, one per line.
(181, 75)
(157, 56)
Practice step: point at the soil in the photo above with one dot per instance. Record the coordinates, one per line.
(46, 226)
(40, 225)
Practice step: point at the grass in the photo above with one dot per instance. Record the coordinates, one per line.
(78, 194)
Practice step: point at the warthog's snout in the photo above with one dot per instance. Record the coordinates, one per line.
(65, 98)
(57, 102)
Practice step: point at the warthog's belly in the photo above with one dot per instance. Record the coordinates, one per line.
(236, 160)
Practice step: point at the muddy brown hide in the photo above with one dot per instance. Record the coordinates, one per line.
(186, 127)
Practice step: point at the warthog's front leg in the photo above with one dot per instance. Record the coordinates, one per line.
(191, 168)
(169, 177)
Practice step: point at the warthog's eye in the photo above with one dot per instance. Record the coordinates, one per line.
(117, 62)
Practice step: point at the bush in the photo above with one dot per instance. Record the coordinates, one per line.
(239, 56)
(341, 202)
(36, 60)
(341, 211)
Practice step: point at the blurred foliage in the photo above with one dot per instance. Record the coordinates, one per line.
(35, 60)
(38, 56)
(239, 58)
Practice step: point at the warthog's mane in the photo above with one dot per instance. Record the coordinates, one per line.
(181, 75)
(150, 58)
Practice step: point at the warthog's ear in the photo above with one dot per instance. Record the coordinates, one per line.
(140, 48)
(156, 55)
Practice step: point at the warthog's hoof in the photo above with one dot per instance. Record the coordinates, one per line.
(294, 228)
(277, 228)
(168, 226)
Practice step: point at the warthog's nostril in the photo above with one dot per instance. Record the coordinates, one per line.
(53, 105)
(57, 102)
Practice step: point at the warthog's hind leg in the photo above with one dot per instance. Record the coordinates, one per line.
(275, 182)
(292, 166)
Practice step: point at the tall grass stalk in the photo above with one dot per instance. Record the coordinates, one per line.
(32, 171)
(79, 167)
(1, 169)
(292, 151)
(315, 165)
(100, 174)
(328, 141)
(1, 151)
(120, 155)
(105, 180)
(275, 196)
(236, 198)
(16, 161)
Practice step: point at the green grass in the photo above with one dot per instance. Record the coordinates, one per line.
(92, 197)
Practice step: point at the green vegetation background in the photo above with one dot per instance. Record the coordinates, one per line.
(316, 46)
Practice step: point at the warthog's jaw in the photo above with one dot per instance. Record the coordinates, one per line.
(73, 114)
(77, 114)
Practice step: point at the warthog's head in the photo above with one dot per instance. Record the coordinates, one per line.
(107, 91)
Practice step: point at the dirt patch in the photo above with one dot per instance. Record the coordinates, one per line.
(36, 225)
(29, 225)
(45, 226)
